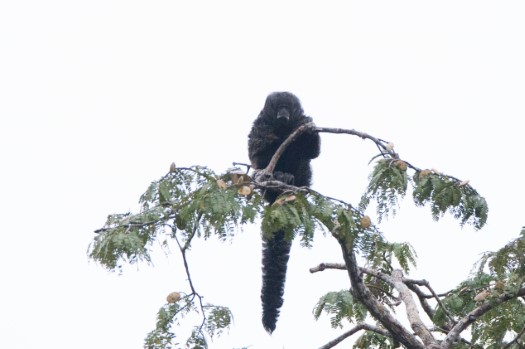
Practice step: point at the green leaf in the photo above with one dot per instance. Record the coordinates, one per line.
(340, 306)
(387, 185)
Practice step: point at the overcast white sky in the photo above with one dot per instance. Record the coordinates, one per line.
(98, 98)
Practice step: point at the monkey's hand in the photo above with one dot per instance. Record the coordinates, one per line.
(284, 177)
(264, 176)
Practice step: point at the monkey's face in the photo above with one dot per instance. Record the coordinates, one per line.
(282, 106)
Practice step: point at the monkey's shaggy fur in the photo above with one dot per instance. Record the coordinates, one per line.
(282, 114)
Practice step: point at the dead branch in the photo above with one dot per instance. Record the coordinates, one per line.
(323, 266)
(376, 309)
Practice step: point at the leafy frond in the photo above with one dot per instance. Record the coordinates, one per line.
(507, 261)
(387, 185)
(340, 306)
(494, 328)
(346, 223)
(382, 257)
(197, 340)
(193, 201)
(444, 194)
(371, 339)
(461, 300)
(162, 336)
(126, 241)
(217, 319)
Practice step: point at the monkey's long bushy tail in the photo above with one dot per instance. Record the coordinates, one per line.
(276, 252)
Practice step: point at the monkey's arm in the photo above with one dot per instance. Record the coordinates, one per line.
(262, 144)
(308, 145)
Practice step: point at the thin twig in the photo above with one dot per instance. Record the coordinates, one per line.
(359, 327)
(381, 144)
(183, 250)
(472, 316)
(515, 340)
(434, 295)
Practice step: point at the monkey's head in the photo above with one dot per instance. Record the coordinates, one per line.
(282, 106)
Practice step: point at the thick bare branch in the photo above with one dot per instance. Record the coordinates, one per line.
(398, 282)
(422, 299)
(323, 266)
(412, 311)
(376, 309)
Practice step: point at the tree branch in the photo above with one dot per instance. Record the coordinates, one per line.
(376, 309)
(398, 282)
(412, 312)
(359, 327)
(183, 249)
(515, 340)
(471, 317)
(422, 299)
(381, 144)
(277, 155)
(323, 266)
(434, 295)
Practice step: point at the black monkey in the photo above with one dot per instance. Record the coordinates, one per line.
(282, 114)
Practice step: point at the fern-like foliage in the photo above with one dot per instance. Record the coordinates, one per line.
(370, 339)
(508, 262)
(125, 241)
(504, 321)
(382, 257)
(445, 193)
(460, 301)
(498, 273)
(494, 328)
(218, 319)
(387, 185)
(340, 306)
(197, 340)
(289, 213)
(194, 201)
(185, 203)
(163, 337)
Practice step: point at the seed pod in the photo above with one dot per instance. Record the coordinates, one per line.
(424, 173)
(401, 165)
(221, 184)
(173, 297)
(244, 190)
(480, 297)
(365, 222)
